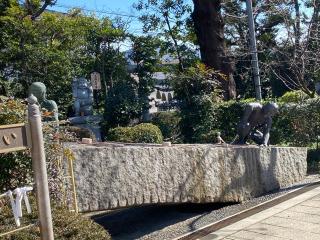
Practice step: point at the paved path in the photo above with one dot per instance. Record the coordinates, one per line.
(297, 219)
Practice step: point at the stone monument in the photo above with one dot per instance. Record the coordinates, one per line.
(256, 117)
(39, 90)
(83, 97)
(123, 176)
(219, 139)
(83, 107)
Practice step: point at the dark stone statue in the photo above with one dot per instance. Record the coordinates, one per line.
(256, 118)
(39, 90)
(83, 97)
(83, 101)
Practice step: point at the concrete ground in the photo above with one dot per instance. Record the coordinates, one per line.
(297, 219)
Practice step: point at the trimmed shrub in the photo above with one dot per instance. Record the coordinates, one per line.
(293, 97)
(198, 118)
(168, 122)
(223, 118)
(120, 134)
(141, 133)
(209, 137)
(297, 124)
(147, 133)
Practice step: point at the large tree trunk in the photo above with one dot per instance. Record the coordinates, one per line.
(209, 28)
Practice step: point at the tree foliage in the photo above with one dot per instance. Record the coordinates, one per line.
(287, 45)
(170, 21)
(299, 50)
(146, 59)
(197, 89)
(54, 49)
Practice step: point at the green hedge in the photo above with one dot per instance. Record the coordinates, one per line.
(295, 125)
(219, 117)
(141, 133)
(293, 97)
(168, 122)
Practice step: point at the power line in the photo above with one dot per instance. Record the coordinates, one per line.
(98, 11)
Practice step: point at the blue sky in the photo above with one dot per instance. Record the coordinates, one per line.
(102, 8)
(117, 6)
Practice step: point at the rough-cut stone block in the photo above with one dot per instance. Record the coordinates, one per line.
(116, 175)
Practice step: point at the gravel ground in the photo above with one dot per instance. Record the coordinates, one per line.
(161, 222)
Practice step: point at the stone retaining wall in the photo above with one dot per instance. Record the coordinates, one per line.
(113, 175)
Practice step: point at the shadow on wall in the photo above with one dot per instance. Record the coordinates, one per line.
(254, 174)
(251, 172)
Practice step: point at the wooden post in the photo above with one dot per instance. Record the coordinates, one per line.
(40, 169)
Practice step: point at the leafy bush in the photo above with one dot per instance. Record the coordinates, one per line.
(199, 118)
(16, 170)
(197, 89)
(293, 97)
(122, 104)
(208, 137)
(78, 132)
(228, 116)
(11, 111)
(147, 133)
(196, 81)
(219, 117)
(297, 124)
(120, 134)
(66, 225)
(168, 122)
(141, 133)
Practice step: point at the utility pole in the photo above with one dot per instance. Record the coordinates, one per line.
(253, 50)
